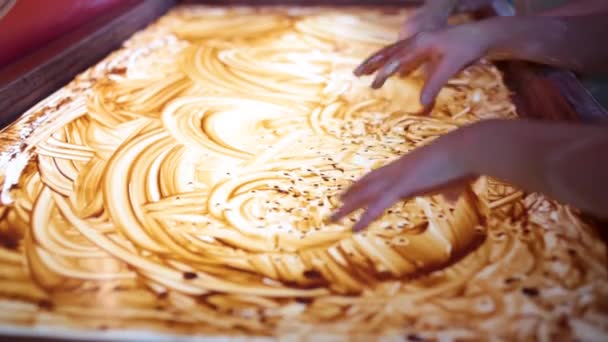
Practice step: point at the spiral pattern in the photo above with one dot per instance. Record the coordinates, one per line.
(183, 185)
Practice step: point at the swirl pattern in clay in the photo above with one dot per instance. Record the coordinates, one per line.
(183, 184)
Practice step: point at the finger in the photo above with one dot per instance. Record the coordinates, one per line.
(373, 182)
(431, 176)
(349, 206)
(344, 211)
(369, 183)
(433, 168)
(370, 65)
(427, 70)
(374, 210)
(377, 176)
(437, 78)
(426, 110)
(357, 197)
(450, 191)
(404, 64)
(378, 59)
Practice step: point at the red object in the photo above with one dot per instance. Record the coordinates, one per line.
(31, 24)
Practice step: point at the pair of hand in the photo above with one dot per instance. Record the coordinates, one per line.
(537, 156)
(425, 39)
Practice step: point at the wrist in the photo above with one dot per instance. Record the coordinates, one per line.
(522, 38)
(487, 147)
(468, 145)
(499, 33)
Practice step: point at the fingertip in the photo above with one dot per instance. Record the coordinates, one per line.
(427, 108)
(333, 218)
(427, 98)
(377, 85)
(346, 194)
(365, 220)
(436, 79)
(378, 82)
(345, 209)
(337, 215)
(359, 226)
(370, 65)
(365, 69)
(360, 70)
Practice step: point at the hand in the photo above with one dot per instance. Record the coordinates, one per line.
(546, 157)
(570, 42)
(445, 52)
(436, 168)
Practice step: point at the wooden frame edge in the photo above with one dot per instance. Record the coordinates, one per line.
(31, 79)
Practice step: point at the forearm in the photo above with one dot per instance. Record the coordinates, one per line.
(567, 162)
(576, 43)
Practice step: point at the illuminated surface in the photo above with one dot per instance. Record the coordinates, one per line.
(183, 185)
